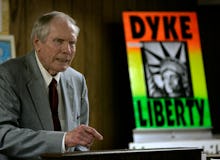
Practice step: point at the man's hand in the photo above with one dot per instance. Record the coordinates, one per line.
(82, 135)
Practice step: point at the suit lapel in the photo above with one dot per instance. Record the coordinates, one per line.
(68, 97)
(41, 104)
(67, 91)
(38, 94)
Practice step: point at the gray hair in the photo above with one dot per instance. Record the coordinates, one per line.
(41, 27)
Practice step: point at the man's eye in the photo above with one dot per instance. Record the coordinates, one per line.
(58, 41)
(72, 43)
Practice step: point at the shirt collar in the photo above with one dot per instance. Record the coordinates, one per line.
(47, 77)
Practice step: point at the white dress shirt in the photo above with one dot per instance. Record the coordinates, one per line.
(61, 109)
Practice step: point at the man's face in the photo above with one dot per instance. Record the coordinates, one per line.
(58, 50)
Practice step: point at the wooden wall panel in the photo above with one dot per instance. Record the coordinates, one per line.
(17, 25)
(90, 49)
(63, 6)
(101, 55)
(34, 9)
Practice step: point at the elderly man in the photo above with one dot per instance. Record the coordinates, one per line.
(32, 121)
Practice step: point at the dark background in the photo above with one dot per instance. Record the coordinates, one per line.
(208, 17)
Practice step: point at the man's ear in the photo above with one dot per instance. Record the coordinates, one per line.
(36, 43)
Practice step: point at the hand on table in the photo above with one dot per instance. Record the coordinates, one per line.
(82, 135)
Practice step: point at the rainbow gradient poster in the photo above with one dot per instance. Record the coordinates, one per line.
(166, 70)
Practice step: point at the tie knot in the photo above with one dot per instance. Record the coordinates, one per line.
(53, 82)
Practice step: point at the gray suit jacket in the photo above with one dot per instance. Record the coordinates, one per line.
(26, 126)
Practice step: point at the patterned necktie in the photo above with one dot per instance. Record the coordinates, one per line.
(53, 97)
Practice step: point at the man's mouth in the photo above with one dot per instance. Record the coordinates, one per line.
(63, 60)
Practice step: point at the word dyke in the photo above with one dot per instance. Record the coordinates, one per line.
(152, 27)
(171, 112)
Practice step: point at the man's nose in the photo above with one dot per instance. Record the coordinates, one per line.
(66, 48)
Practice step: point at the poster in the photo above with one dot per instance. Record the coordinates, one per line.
(166, 70)
(7, 47)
